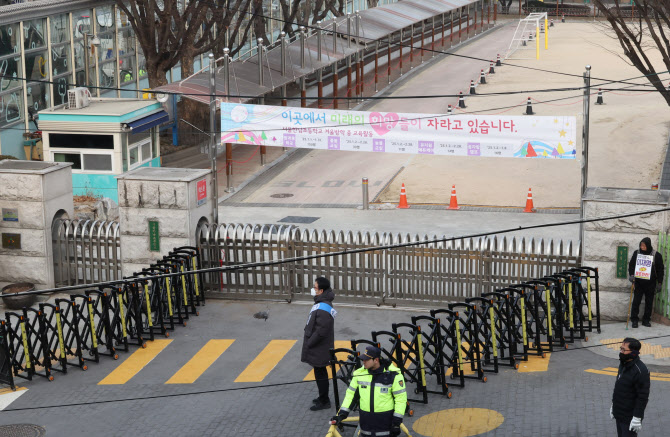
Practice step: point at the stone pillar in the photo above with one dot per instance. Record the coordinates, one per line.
(32, 195)
(175, 200)
(602, 238)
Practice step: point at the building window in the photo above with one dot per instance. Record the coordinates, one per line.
(98, 162)
(81, 141)
(74, 158)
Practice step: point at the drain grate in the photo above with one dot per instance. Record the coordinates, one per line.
(281, 195)
(22, 430)
(298, 219)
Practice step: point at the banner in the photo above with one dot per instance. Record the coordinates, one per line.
(357, 131)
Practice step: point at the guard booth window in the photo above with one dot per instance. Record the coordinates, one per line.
(88, 152)
(139, 148)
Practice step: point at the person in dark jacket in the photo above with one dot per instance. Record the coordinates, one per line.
(320, 338)
(646, 271)
(631, 390)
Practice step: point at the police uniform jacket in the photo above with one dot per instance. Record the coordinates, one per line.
(383, 397)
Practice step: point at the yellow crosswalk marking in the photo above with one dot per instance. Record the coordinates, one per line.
(339, 344)
(134, 363)
(258, 369)
(200, 362)
(535, 364)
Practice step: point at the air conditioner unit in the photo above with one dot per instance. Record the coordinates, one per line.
(78, 98)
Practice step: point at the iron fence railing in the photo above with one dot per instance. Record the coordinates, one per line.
(432, 272)
(86, 251)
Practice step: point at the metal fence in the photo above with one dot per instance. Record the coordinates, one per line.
(86, 251)
(427, 273)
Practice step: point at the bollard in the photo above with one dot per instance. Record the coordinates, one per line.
(523, 43)
(563, 18)
(529, 108)
(461, 100)
(541, 28)
(551, 23)
(450, 111)
(366, 203)
(599, 100)
(498, 63)
(482, 77)
(491, 69)
(472, 87)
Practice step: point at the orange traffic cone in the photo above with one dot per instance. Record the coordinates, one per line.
(529, 202)
(403, 198)
(453, 202)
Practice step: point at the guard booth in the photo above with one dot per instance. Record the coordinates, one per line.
(102, 138)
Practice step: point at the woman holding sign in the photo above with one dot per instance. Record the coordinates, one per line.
(646, 270)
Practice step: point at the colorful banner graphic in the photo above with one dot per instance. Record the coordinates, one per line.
(390, 132)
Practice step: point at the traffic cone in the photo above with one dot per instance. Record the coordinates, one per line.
(482, 78)
(599, 100)
(498, 63)
(453, 202)
(403, 198)
(523, 43)
(551, 23)
(491, 69)
(449, 110)
(529, 107)
(461, 100)
(529, 202)
(472, 87)
(563, 18)
(541, 28)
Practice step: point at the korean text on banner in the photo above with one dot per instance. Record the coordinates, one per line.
(643, 266)
(454, 135)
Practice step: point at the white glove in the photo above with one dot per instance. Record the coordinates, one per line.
(635, 424)
(612, 411)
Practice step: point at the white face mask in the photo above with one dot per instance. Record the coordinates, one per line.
(312, 292)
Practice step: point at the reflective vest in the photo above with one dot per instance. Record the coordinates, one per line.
(383, 396)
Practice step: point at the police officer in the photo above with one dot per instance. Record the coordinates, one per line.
(383, 396)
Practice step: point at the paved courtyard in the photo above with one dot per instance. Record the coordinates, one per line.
(229, 374)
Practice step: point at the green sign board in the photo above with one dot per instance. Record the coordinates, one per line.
(154, 236)
(622, 262)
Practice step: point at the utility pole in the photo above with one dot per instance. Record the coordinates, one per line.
(585, 150)
(212, 138)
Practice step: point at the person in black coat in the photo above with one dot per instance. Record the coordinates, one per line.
(646, 270)
(319, 339)
(631, 390)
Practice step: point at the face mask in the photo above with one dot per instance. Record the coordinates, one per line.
(624, 357)
(312, 292)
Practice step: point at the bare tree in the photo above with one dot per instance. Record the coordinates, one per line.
(176, 31)
(642, 29)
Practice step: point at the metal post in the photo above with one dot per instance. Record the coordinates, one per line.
(282, 42)
(432, 41)
(335, 35)
(319, 75)
(348, 82)
(212, 137)
(359, 79)
(319, 34)
(585, 149)
(260, 61)
(400, 47)
(451, 33)
(376, 65)
(348, 30)
(336, 86)
(229, 146)
(442, 26)
(423, 38)
(366, 203)
(86, 49)
(302, 46)
(411, 47)
(388, 64)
